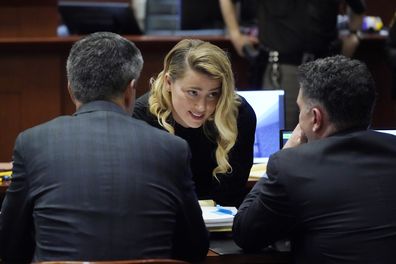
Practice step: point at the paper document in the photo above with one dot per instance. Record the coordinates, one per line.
(258, 170)
(218, 216)
(5, 166)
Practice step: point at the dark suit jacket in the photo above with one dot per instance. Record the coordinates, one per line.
(334, 198)
(100, 185)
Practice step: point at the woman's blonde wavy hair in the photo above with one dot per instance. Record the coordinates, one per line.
(206, 58)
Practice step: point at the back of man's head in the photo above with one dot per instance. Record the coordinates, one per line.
(343, 87)
(101, 65)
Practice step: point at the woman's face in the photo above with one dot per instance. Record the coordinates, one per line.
(194, 98)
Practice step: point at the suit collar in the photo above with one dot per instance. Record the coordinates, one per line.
(99, 106)
(348, 131)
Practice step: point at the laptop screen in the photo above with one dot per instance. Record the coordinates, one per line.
(269, 108)
(388, 131)
(284, 136)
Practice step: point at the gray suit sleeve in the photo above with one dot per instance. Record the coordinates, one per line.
(16, 221)
(265, 215)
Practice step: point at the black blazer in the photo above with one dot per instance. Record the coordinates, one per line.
(100, 185)
(335, 198)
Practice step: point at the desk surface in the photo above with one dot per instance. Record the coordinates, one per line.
(4, 167)
(3, 187)
(224, 250)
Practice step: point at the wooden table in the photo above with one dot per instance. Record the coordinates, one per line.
(4, 166)
(224, 250)
(3, 186)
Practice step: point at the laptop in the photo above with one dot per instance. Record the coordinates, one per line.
(388, 131)
(268, 106)
(284, 135)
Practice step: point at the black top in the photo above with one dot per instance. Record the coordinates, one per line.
(229, 189)
(291, 26)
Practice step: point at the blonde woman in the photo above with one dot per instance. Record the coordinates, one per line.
(194, 98)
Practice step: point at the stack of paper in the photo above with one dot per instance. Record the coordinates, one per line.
(218, 218)
(258, 170)
(5, 166)
(5, 171)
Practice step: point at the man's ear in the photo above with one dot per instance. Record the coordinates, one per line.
(72, 97)
(132, 85)
(71, 93)
(130, 95)
(317, 119)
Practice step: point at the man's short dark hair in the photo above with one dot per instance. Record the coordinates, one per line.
(101, 65)
(344, 87)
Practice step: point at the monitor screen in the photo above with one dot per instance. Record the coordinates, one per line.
(202, 14)
(284, 136)
(269, 108)
(88, 17)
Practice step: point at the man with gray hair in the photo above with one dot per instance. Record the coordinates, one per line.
(332, 190)
(100, 185)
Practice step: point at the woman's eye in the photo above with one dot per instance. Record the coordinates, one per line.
(192, 93)
(214, 95)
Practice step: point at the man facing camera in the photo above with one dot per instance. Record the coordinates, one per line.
(100, 185)
(334, 196)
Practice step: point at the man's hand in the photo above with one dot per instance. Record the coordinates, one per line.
(229, 13)
(297, 138)
(240, 40)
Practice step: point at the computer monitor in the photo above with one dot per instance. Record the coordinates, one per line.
(269, 108)
(202, 14)
(88, 17)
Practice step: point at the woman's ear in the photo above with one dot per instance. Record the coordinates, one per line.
(168, 82)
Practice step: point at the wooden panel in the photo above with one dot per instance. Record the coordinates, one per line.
(10, 120)
(29, 90)
(41, 89)
(28, 3)
(23, 18)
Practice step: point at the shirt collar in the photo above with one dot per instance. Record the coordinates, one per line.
(99, 106)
